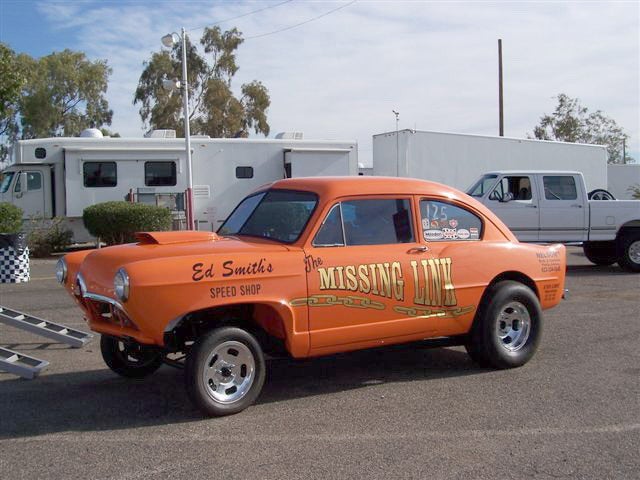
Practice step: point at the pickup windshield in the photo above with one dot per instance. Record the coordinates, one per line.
(5, 181)
(279, 215)
(482, 186)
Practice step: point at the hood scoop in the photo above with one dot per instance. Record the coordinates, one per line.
(168, 238)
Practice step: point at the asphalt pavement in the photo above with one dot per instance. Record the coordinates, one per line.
(397, 412)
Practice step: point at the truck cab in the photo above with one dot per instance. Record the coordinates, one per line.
(553, 206)
(29, 188)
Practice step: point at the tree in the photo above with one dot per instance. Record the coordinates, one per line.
(12, 79)
(572, 122)
(214, 109)
(64, 95)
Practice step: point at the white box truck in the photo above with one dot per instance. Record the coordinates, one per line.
(60, 177)
(459, 159)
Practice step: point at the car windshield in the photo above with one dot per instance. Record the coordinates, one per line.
(482, 186)
(5, 181)
(279, 215)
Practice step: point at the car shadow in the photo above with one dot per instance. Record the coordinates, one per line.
(99, 400)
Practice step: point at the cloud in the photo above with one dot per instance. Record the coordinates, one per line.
(435, 62)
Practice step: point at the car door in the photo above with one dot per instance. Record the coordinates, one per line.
(455, 277)
(514, 200)
(358, 273)
(563, 217)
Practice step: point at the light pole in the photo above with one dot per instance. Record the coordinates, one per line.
(397, 114)
(169, 41)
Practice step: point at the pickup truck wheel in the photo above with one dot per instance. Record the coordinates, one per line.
(603, 253)
(225, 371)
(507, 328)
(129, 360)
(630, 252)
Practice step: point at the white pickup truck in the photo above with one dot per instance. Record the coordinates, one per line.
(552, 206)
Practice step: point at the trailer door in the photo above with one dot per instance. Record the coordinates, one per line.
(313, 162)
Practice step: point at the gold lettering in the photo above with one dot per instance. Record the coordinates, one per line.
(340, 278)
(435, 283)
(419, 292)
(374, 279)
(365, 284)
(327, 279)
(385, 280)
(449, 289)
(397, 281)
(350, 273)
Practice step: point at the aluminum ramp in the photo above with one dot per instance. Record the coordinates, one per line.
(54, 331)
(20, 364)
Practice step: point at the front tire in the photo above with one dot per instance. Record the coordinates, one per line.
(225, 371)
(630, 252)
(129, 360)
(507, 328)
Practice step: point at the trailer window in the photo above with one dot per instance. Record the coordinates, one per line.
(244, 172)
(100, 174)
(6, 178)
(160, 174)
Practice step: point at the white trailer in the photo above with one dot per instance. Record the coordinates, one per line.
(459, 159)
(60, 177)
(621, 178)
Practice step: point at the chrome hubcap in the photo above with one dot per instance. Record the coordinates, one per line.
(229, 372)
(513, 326)
(634, 251)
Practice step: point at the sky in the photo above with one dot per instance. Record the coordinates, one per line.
(340, 74)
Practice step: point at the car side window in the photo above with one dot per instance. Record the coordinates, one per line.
(330, 233)
(513, 188)
(367, 222)
(446, 222)
(561, 187)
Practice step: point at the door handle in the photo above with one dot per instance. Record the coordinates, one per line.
(421, 248)
(532, 206)
(576, 205)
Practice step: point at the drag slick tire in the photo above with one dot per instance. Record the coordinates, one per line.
(600, 253)
(629, 244)
(129, 359)
(507, 328)
(224, 371)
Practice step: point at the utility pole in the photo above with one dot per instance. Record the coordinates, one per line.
(397, 114)
(624, 150)
(500, 97)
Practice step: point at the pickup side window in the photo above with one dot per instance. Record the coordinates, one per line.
(100, 174)
(515, 188)
(560, 187)
(446, 222)
(160, 174)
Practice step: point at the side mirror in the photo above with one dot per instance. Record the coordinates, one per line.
(507, 197)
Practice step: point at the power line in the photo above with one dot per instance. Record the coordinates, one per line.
(241, 16)
(291, 27)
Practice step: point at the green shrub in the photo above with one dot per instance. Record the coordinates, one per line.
(116, 222)
(46, 236)
(10, 218)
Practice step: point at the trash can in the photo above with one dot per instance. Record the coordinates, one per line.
(14, 258)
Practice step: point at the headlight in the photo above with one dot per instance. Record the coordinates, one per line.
(121, 285)
(61, 270)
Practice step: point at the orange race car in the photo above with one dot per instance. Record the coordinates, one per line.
(315, 266)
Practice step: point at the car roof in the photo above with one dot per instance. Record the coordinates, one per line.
(365, 185)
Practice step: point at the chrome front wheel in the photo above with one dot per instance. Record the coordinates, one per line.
(224, 371)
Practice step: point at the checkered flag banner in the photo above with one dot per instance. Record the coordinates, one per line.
(14, 259)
